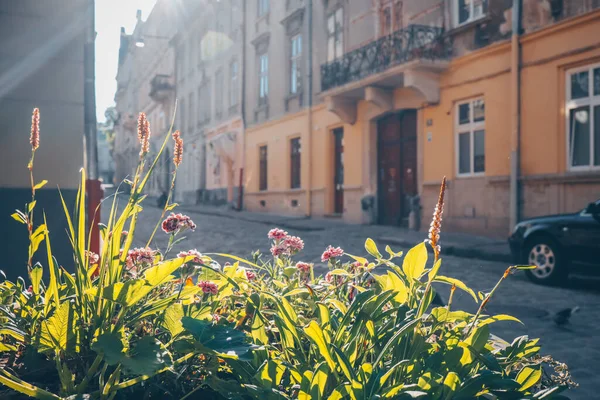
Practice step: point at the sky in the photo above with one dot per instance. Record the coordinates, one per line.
(111, 15)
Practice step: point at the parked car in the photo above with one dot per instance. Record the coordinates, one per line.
(559, 244)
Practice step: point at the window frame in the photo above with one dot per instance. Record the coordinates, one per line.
(471, 128)
(233, 83)
(471, 10)
(336, 34)
(219, 82)
(591, 101)
(295, 162)
(263, 97)
(263, 165)
(295, 64)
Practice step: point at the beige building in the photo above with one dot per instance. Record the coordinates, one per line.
(145, 83)
(41, 65)
(208, 48)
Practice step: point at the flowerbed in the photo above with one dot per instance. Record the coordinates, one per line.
(145, 323)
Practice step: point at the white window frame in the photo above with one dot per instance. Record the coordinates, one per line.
(470, 128)
(471, 12)
(262, 8)
(295, 63)
(337, 34)
(263, 77)
(591, 101)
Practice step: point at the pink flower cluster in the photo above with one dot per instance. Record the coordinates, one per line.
(331, 252)
(197, 255)
(284, 244)
(303, 267)
(92, 257)
(250, 275)
(208, 287)
(177, 222)
(140, 257)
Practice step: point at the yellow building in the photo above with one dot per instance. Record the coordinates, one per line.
(406, 93)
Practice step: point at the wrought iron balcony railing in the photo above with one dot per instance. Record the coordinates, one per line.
(411, 43)
(160, 86)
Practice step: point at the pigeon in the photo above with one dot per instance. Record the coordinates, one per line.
(562, 317)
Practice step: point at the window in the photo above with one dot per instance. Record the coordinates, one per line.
(263, 7)
(469, 10)
(191, 113)
(295, 163)
(233, 84)
(470, 137)
(181, 111)
(204, 102)
(583, 117)
(295, 61)
(335, 35)
(219, 93)
(262, 168)
(386, 20)
(263, 78)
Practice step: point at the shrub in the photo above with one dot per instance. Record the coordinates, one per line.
(132, 322)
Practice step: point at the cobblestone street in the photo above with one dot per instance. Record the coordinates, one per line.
(575, 344)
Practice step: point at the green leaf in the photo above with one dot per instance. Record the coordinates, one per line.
(159, 273)
(339, 271)
(434, 271)
(19, 217)
(451, 384)
(314, 333)
(525, 267)
(58, 331)
(20, 386)
(499, 317)
(319, 381)
(112, 345)
(52, 289)
(361, 260)
(459, 284)
(220, 338)
(31, 205)
(36, 238)
(125, 293)
(414, 261)
(40, 185)
(171, 206)
(372, 249)
(399, 333)
(528, 377)
(36, 277)
(172, 322)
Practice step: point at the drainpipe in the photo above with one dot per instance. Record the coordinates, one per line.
(515, 142)
(309, 94)
(93, 186)
(243, 109)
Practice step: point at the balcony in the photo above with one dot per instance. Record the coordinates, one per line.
(161, 87)
(405, 45)
(412, 57)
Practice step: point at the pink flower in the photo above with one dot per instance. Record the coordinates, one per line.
(250, 275)
(293, 243)
(197, 255)
(177, 222)
(140, 257)
(216, 317)
(277, 234)
(331, 252)
(279, 250)
(30, 289)
(208, 287)
(92, 257)
(303, 267)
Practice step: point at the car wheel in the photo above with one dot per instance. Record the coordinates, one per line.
(544, 253)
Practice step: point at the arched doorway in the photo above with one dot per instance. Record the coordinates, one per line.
(396, 166)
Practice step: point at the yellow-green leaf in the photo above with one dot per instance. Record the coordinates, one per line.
(391, 281)
(40, 185)
(173, 315)
(31, 205)
(434, 271)
(415, 260)
(370, 328)
(319, 381)
(258, 331)
(339, 271)
(372, 249)
(159, 273)
(36, 277)
(451, 383)
(459, 284)
(499, 317)
(528, 377)
(314, 333)
(58, 329)
(18, 217)
(337, 304)
(296, 291)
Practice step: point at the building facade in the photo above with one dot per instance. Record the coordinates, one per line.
(146, 83)
(42, 46)
(208, 49)
(406, 92)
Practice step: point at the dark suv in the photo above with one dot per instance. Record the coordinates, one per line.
(559, 244)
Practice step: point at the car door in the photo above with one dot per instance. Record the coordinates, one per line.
(584, 231)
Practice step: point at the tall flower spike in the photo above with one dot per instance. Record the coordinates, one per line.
(35, 129)
(436, 223)
(144, 133)
(178, 149)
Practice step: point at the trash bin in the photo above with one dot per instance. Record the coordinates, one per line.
(368, 207)
(414, 217)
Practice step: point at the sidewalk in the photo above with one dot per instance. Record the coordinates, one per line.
(457, 244)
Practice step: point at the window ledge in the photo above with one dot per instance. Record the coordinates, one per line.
(291, 96)
(470, 176)
(469, 25)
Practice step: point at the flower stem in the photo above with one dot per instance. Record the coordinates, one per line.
(164, 211)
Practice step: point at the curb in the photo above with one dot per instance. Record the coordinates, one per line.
(453, 250)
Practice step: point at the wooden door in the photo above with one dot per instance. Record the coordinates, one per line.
(397, 166)
(338, 171)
